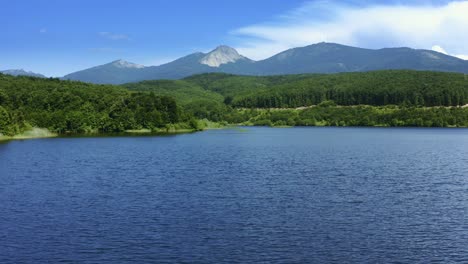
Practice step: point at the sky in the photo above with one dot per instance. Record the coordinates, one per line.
(56, 37)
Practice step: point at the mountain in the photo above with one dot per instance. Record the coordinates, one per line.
(221, 59)
(22, 72)
(334, 58)
(116, 72)
(316, 58)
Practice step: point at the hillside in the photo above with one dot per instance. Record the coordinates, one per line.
(76, 107)
(184, 92)
(419, 88)
(380, 98)
(193, 98)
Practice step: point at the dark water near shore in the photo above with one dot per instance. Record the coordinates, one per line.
(361, 195)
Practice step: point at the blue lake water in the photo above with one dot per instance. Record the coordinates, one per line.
(293, 195)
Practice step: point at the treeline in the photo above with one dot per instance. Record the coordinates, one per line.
(75, 107)
(386, 116)
(397, 87)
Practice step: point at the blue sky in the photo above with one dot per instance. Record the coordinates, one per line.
(56, 37)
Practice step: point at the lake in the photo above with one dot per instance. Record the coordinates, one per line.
(282, 195)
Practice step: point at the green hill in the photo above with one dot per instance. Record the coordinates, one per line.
(76, 107)
(387, 98)
(418, 88)
(194, 100)
(184, 92)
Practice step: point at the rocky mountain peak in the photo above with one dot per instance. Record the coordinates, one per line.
(221, 55)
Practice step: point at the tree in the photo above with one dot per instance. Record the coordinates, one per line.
(5, 121)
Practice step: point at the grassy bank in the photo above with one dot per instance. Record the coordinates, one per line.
(34, 132)
(178, 128)
(3, 138)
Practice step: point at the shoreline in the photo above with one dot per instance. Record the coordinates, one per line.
(45, 133)
(34, 133)
(146, 132)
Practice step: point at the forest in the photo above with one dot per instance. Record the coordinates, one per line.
(75, 107)
(380, 98)
(377, 88)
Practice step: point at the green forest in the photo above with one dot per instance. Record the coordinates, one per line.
(378, 88)
(75, 107)
(380, 98)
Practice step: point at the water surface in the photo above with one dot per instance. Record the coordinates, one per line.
(361, 195)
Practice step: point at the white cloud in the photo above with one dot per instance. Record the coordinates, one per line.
(43, 30)
(374, 26)
(442, 50)
(439, 49)
(113, 36)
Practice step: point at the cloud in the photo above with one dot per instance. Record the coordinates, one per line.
(43, 30)
(442, 50)
(369, 26)
(113, 36)
(439, 49)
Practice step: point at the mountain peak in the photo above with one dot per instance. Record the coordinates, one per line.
(328, 46)
(221, 55)
(225, 48)
(126, 64)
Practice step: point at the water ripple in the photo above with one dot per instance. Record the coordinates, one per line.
(315, 195)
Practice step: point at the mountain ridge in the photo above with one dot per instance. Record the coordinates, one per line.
(316, 58)
(22, 72)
